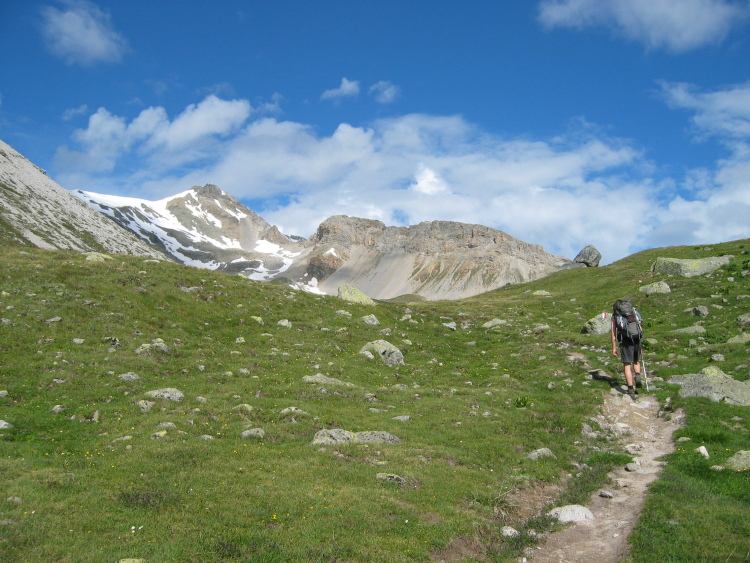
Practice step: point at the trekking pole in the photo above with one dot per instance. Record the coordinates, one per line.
(645, 371)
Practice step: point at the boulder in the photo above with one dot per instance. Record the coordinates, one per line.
(600, 324)
(335, 436)
(739, 461)
(571, 513)
(589, 256)
(389, 353)
(742, 338)
(168, 393)
(689, 268)
(744, 319)
(324, 380)
(654, 288)
(713, 384)
(353, 295)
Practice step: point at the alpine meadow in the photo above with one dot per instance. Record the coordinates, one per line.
(157, 412)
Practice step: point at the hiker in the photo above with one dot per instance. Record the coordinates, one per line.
(627, 331)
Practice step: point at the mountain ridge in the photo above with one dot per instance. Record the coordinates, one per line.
(207, 227)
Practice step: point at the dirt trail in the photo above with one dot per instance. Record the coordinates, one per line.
(605, 539)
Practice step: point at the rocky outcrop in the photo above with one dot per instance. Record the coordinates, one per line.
(690, 268)
(434, 260)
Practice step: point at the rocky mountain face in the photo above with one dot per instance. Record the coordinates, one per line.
(35, 211)
(436, 259)
(203, 227)
(206, 227)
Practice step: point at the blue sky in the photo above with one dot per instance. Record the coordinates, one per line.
(620, 123)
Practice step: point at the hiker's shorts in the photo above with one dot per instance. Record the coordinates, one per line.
(629, 353)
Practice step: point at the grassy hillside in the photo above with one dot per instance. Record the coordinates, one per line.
(88, 476)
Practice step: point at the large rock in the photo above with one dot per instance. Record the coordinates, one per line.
(689, 268)
(353, 295)
(713, 384)
(739, 461)
(654, 288)
(571, 513)
(336, 436)
(589, 256)
(385, 350)
(600, 324)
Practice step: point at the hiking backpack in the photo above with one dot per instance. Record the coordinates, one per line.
(628, 322)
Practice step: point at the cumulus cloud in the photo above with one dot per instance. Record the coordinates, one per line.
(348, 89)
(80, 33)
(108, 137)
(562, 192)
(724, 113)
(385, 92)
(675, 25)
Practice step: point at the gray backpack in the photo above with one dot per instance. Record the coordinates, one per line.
(628, 322)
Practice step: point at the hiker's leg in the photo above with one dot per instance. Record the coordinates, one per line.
(628, 369)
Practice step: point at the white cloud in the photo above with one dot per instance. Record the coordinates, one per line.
(72, 113)
(108, 138)
(563, 193)
(348, 88)
(385, 92)
(81, 33)
(675, 25)
(428, 182)
(724, 113)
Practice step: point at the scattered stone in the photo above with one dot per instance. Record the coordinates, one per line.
(253, 433)
(78, 341)
(284, 323)
(695, 329)
(606, 494)
(389, 353)
(402, 418)
(703, 451)
(168, 393)
(294, 410)
(54, 320)
(700, 311)
(689, 268)
(4, 425)
(371, 320)
(322, 379)
(58, 409)
(205, 437)
(145, 406)
(451, 325)
(718, 358)
(744, 319)
(494, 323)
(129, 376)
(508, 532)
(571, 513)
(541, 292)
(243, 407)
(541, 453)
(159, 435)
(655, 288)
(390, 477)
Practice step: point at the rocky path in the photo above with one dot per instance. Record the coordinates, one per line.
(605, 539)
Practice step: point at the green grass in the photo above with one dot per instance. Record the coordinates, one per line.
(95, 485)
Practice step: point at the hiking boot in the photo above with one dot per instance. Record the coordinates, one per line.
(633, 394)
(638, 382)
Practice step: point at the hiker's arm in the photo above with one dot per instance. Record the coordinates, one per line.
(613, 337)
